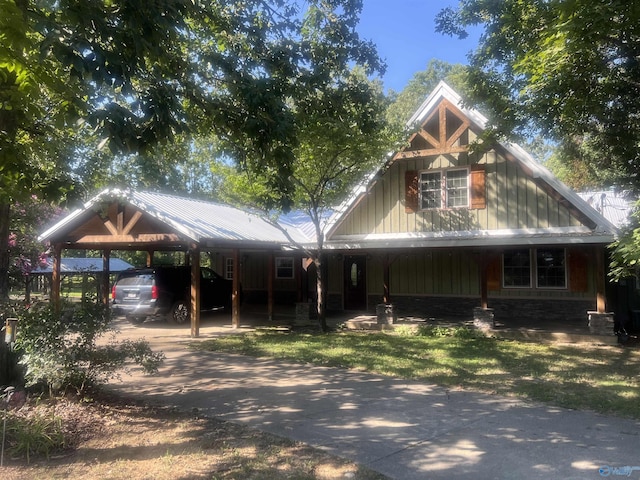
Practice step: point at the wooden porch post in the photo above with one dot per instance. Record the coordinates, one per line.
(149, 258)
(271, 275)
(484, 290)
(56, 279)
(601, 297)
(195, 291)
(386, 278)
(235, 297)
(106, 255)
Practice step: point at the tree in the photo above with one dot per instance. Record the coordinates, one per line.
(567, 69)
(134, 74)
(343, 138)
(405, 103)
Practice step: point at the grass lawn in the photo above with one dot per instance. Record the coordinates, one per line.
(605, 379)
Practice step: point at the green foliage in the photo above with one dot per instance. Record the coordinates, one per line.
(60, 349)
(405, 103)
(565, 69)
(34, 435)
(625, 251)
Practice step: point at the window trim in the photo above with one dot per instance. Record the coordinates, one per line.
(534, 280)
(444, 190)
(228, 268)
(512, 287)
(278, 267)
(566, 277)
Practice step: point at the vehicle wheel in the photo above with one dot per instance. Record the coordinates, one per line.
(136, 319)
(179, 312)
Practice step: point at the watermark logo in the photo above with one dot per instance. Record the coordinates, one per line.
(608, 471)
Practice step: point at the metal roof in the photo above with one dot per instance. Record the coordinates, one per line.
(614, 206)
(82, 265)
(198, 220)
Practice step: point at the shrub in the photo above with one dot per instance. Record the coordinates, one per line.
(59, 347)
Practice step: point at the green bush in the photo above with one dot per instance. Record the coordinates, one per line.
(59, 347)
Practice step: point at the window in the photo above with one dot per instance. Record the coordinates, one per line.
(284, 267)
(516, 267)
(228, 268)
(447, 187)
(550, 267)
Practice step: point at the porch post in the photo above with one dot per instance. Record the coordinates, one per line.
(55, 277)
(270, 273)
(484, 290)
(149, 258)
(386, 268)
(106, 255)
(235, 297)
(601, 297)
(195, 291)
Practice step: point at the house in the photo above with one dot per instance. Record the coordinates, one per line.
(437, 231)
(440, 230)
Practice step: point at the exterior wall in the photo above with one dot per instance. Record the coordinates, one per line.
(514, 201)
(445, 283)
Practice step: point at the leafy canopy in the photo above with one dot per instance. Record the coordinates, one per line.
(566, 69)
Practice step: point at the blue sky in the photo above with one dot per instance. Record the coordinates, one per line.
(404, 32)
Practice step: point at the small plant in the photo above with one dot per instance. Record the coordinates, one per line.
(34, 435)
(59, 347)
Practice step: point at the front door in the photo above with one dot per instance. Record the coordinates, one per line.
(355, 285)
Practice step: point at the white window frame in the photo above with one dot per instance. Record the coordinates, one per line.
(538, 269)
(284, 263)
(228, 268)
(534, 270)
(445, 197)
(504, 276)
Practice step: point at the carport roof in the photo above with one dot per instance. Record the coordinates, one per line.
(189, 220)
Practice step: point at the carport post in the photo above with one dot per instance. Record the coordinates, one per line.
(270, 275)
(56, 279)
(235, 296)
(195, 291)
(106, 255)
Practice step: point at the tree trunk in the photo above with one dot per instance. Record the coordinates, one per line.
(321, 289)
(4, 251)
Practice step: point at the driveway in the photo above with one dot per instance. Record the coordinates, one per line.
(403, 429)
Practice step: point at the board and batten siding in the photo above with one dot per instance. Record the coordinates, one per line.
(513, 201)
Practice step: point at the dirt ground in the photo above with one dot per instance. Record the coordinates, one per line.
(116, 439)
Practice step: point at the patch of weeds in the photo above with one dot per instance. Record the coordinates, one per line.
(38, 435)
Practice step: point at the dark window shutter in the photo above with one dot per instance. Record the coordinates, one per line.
(478, 187)
(578, 272)
(411, 191)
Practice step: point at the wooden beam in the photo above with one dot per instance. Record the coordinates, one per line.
(601, 296)
(106, 255)
(56, 278)
(429, 139)
(141, 238)
(132, 223)
(386, 279)
(195, 291)
(429, 152)
(235, 297)
(270, 279)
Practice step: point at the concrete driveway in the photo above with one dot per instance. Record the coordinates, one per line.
(403, 429)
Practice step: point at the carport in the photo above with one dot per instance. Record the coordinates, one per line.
(151, 222)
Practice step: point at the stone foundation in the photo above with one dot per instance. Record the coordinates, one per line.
(601, 323)
(386, 314)
(483, 318)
